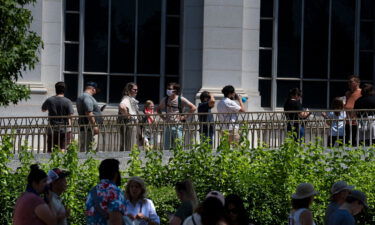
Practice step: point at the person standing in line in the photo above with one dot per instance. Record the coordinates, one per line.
(58, 185)
(90, 117)
(105, 203)
(354, 93)
(186, 194)
(59, 133)
(207, 103)
(150, 136)
(340, 191)
(337, 121)
(229, 109)
(174, 106)
(30, 207)
(293, 103)
(128, 111)
(301, 202)
(353, 205)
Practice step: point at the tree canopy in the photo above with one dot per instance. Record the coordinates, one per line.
(19, 47)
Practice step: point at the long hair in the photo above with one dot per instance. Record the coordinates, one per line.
(211, 211)
(337, 104)
(141, 183)
(35, 175)
(128, 87)
(367, 90)
(301, 203)
(187, 188)
(242, 215)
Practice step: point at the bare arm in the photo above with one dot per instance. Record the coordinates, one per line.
(92, 121)
(241, 104)
(44, 213)
(115, 218)
(211, 102)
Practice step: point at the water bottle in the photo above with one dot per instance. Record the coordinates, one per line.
(244, 99)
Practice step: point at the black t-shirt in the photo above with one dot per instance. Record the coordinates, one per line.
(365, 102)
(292, 105)
(58, 106)
(205, 108)
(184, 211)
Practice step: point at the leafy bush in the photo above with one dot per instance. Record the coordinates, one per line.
(264, 177)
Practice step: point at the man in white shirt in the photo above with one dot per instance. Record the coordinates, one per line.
(228, 107)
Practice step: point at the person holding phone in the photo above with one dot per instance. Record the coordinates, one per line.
(229, 107)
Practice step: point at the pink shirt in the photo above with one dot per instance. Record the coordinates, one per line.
(24, 210)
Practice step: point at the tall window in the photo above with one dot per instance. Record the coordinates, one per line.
(113, 42)
(314, 45)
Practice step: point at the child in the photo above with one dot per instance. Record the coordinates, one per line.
(149, 119)
(337, 121)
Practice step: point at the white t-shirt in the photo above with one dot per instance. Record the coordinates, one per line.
(231, 107)
(131, 104)
(146, 207)
(58, 207)
(189, 220)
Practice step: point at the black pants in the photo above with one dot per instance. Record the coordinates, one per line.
(351, 137)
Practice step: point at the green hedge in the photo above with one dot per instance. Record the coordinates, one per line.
(264, 177)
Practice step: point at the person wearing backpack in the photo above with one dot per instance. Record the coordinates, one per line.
(174, 106)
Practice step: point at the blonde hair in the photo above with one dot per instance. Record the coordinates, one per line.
(141, 183)
(148, 103)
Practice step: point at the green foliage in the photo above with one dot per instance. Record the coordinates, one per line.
(18, 49)
(264, 177)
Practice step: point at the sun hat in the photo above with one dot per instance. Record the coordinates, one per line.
(360, 196)
(56, 173)
(340, 186)
(217, 195)
(304, 190)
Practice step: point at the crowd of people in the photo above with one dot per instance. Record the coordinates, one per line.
(107, 203)
(174, 110)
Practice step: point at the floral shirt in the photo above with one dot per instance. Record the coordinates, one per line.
(110, 198)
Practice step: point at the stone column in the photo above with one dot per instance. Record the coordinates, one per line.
(231, 48)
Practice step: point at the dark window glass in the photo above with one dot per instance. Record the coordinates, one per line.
(71, 57)
(366, 66)
(283, 88)
(265, 63)
(367, 35)
(101, 95)
(96, 35)
(148, 89)
(72, 5)
(337, 89)
(173, 7)
(172, 60)
(173, 31)
(266, 8)
(117, 84)
(71, 86)
(313, 98)
(149, 26)
(122, 36)
(72, 27)
(342, 43)
(266, 33)
(315, 55)
(265, 92)
(367, 9)
(289, 40)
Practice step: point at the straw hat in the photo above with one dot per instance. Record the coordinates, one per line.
(304, 190)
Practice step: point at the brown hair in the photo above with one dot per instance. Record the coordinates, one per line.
(128, 87)
(355, 78)
(176, 87)
(141, 183)
(337, 103)
(367, 90)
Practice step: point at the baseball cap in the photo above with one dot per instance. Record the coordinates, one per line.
(56, 173)
(340, 186)
(217, 195)
(92, 84)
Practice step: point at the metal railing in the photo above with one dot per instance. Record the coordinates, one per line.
(162, 131)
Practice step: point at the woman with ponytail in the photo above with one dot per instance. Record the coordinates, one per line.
(186, 194)
(30, 207)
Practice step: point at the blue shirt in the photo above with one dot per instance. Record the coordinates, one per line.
(110, 199)
(341, 217)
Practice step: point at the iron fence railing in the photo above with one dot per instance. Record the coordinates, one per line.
(162, 131)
